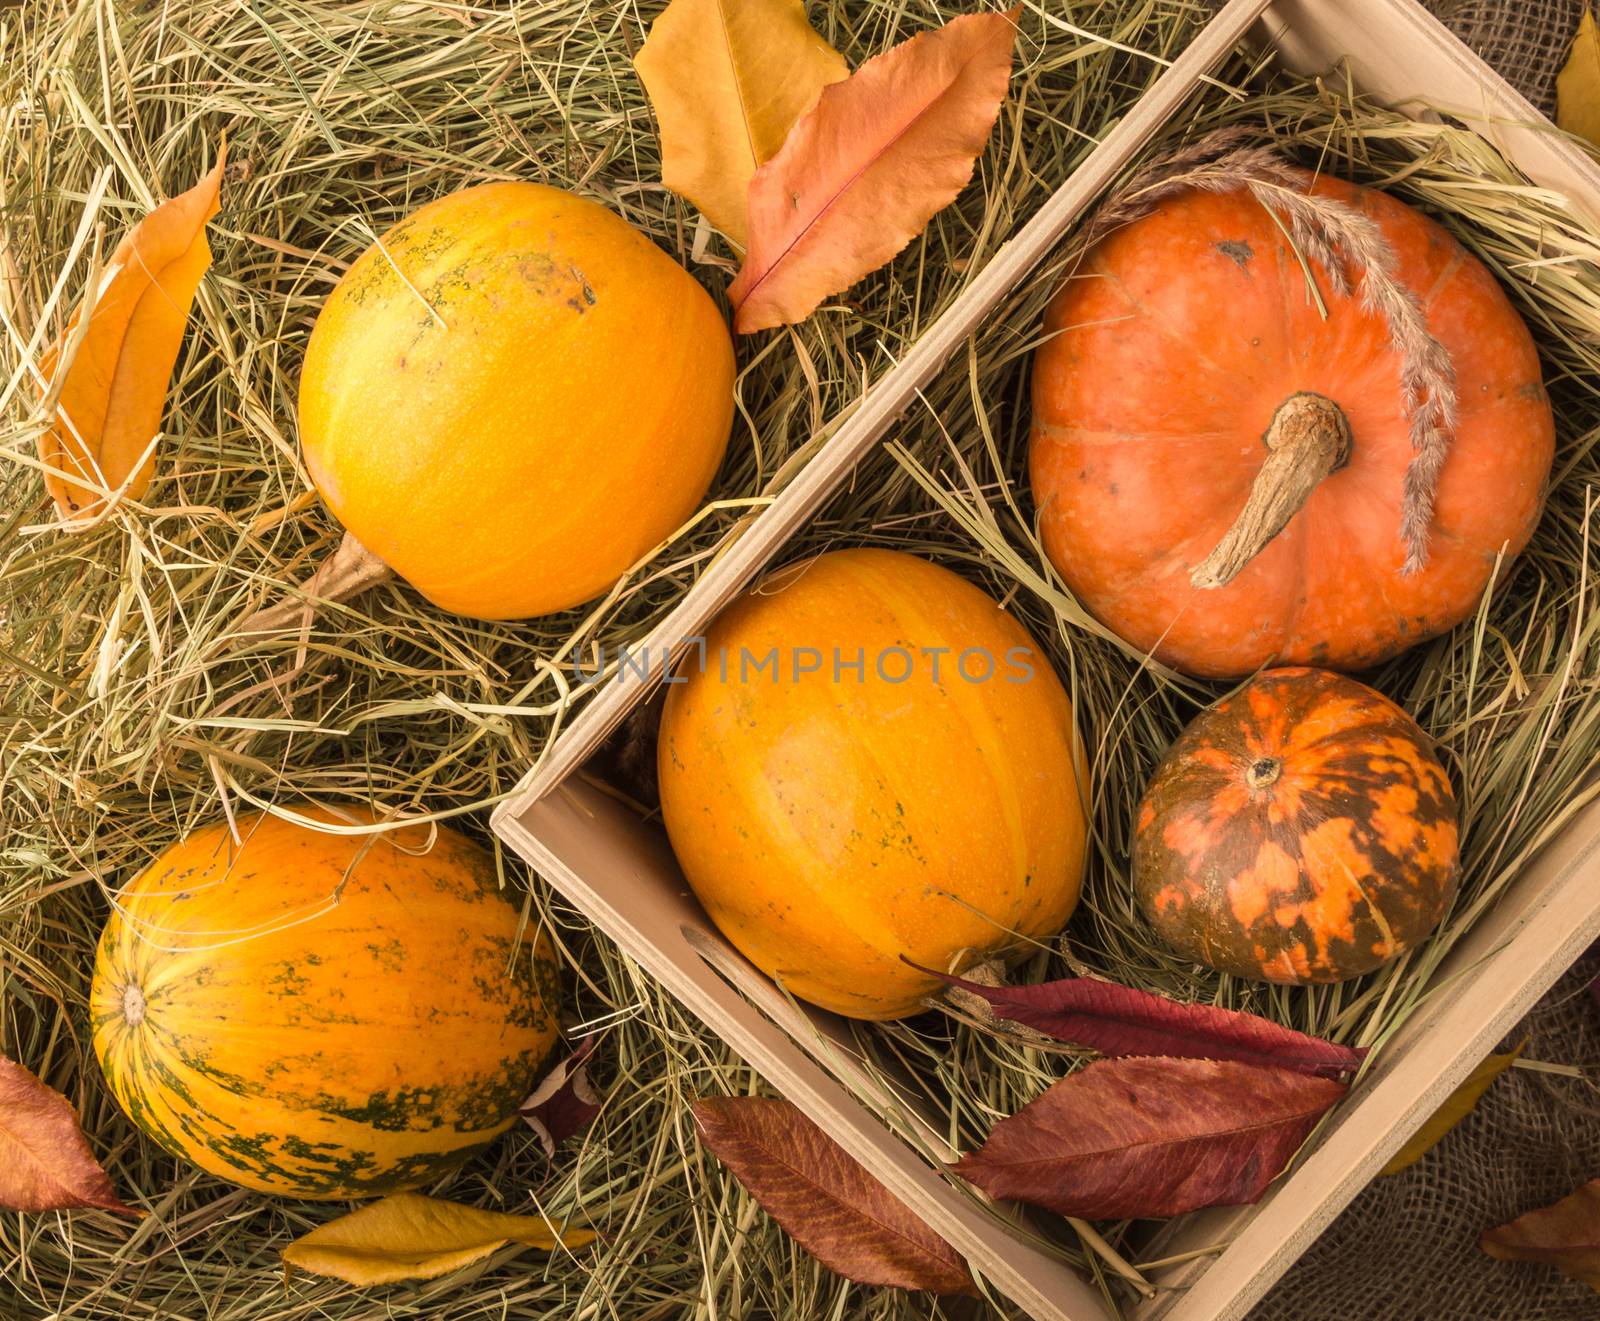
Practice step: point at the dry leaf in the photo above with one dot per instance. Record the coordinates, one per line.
(728, 79)
(1578, 83)
(45, 1161)
(1565, 1235)
(1135, 1138)
(1457, 1106)
(823, 1198)
(865, 169)
(412, 1237)
(564, 1102)
(108, 404)
(1118, 1020)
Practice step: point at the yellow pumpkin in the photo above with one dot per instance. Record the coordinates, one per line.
(321, 1015)
(930, 804)
(512, 396)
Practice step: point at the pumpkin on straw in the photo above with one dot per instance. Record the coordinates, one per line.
(1282, 419)
(321, 1015)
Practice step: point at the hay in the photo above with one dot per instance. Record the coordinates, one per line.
(121, 727)
(1512, 696)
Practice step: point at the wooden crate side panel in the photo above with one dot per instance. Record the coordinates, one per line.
(1403, 56)
(1498, 972)
(1399, 54)
(740, 561)
(621, 874)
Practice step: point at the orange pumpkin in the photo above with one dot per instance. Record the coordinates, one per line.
(320, 1015)
(1189, 385)
(1303, 830)
(513, 396)
(873, 761)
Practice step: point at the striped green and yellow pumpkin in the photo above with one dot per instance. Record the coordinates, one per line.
(1300, 831)
(321, 1015)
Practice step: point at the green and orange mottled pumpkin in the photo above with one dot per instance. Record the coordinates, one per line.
(321, 1015)
(874, 763)
(1301, 831)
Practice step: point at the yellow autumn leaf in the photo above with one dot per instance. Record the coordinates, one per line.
(728, 78)
(1578, 83)
(109, 399)
(1458, 1105)
(412, 1237)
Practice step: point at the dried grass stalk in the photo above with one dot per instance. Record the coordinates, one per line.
(1336, 237)
(123, 725)
(124, 721)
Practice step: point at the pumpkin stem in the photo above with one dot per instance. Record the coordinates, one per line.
(133, 1005)
(1308, 439)
(348, 572)
(1263, 773)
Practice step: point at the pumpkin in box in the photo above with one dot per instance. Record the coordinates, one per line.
(1234, 469)
(509, 399)
(873, 763)
(1300, 831)
(321, 1015)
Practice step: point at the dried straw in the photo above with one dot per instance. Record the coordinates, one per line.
(1512, 695)
(121, 725)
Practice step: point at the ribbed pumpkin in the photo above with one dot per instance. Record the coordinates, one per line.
(512, 396)
(1303, 830)
(832, 819)
(1187, 376)
(320, 1015)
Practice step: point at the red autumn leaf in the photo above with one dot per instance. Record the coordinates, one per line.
(1566, 1234)
(823, 1198)
(1129, 1139)
(564, 1102)
(1118, 1020)
(864, 170)
(45, 1162)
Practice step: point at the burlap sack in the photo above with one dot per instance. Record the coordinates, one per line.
(1407, 1248)
(1525, 40)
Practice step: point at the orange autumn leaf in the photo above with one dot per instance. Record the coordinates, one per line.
(45, 1161)
(728, 78)
(862, 173)
(108, 404)
(1565, 1235)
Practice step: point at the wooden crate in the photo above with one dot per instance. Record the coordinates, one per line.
(620, 873)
